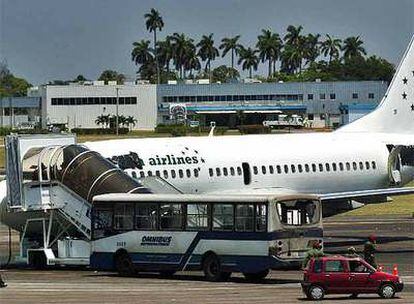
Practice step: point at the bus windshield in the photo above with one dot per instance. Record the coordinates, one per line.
(298, 212)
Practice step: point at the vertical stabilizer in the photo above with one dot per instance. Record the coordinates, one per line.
(395, 114)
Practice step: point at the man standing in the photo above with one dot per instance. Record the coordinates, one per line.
(369, 251)
(314, 252)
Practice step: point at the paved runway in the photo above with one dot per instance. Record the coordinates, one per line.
(396, 245)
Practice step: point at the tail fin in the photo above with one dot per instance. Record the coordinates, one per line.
(395, 113)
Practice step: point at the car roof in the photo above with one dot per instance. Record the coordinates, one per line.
(337, 257)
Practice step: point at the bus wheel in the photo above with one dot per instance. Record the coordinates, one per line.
(212, 268)
(124, 265)
(256, 276)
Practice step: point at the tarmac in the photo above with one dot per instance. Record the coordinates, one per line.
(68, 285)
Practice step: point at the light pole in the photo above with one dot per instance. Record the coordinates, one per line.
(117, 111)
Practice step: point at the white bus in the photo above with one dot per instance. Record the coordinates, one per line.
(217, 234)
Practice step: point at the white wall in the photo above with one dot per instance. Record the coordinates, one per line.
(83, 116)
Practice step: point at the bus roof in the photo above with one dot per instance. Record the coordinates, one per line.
(188, 198)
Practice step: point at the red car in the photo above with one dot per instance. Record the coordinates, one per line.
(344, 275)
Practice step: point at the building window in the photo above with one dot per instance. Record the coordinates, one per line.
(310, 96)
(371, 95)
(332, 96)
(322, 96)
(354, 95)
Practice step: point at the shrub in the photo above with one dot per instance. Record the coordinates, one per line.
(254, 129)
(98, 131)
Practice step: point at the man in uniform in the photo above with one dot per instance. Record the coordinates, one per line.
(314, 252)
(369, 251)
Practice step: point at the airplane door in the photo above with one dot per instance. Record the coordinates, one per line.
(395, 166)
(247, 175)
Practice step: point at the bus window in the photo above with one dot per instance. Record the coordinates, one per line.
(146, 216)
(197, 217)
(123, 216)
(261, 217)
(102, 221)
(244, 217)
(171, 216)
(223, 217)
(297, 213)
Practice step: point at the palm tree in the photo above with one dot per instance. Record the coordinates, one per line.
(269, 45)
(130, 120)
(165, 52)
(352, 47)
(100, 120)
(311, 50)
(141, 53)
(294, 48)
(230, 45)
(293, 35)
(153, 23)
(249, 60)
(183, 46)
(191, 61)
(291, 59)
(207, 51)
(331, 47)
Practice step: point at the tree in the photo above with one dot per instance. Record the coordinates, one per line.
(331, 47)
(130, 120)
(142, 55)
(103, 120)
(110, 75)
(311, 49)
(249, 60)
(165, 52)
(352, 47)
(293, 35)
(231, 45)
(153, 23)
(294, 49)
(183, 48)
(207, 51)
(80, 78)
(269, 45)
(191, 61)
(11, 85)
(223, 74)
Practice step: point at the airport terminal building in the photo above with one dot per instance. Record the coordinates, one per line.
(321, 103)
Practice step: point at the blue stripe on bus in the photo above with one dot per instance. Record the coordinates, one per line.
(104, 260)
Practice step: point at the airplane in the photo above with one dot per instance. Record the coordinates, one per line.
(365, 161)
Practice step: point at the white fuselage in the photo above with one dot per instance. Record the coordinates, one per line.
(267, 153)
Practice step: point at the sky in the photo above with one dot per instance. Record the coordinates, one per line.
(44, 40)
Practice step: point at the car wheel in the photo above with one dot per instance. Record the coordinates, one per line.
(212, 268)
(316, 292)
(387, 291)
(124, 265)
(257, 276)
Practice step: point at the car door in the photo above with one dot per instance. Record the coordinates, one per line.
(360, 277)
(335, 276)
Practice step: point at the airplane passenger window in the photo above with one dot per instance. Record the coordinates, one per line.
(165, 174)
(306, 167)
(300, 169)
(180, 173)
(142, 174)
(255, 170)
(278, 169)
(348, 166)
(320, 167)
(328, 168)
(341, 166)
(264, 169)
(367, 165)
(374, 165)
(173, 175)
(157, 173)
(293, 168)
(188, 172)
(313, 167)
(361, 165)
(271, 170)
(232, 172)
(134, 174)
(149, 173)
(239, 171)
(218, 172)
(210, 172)
(334, 166)
(286, 169)
(195, 172)
(354, 165)
(225, 172)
